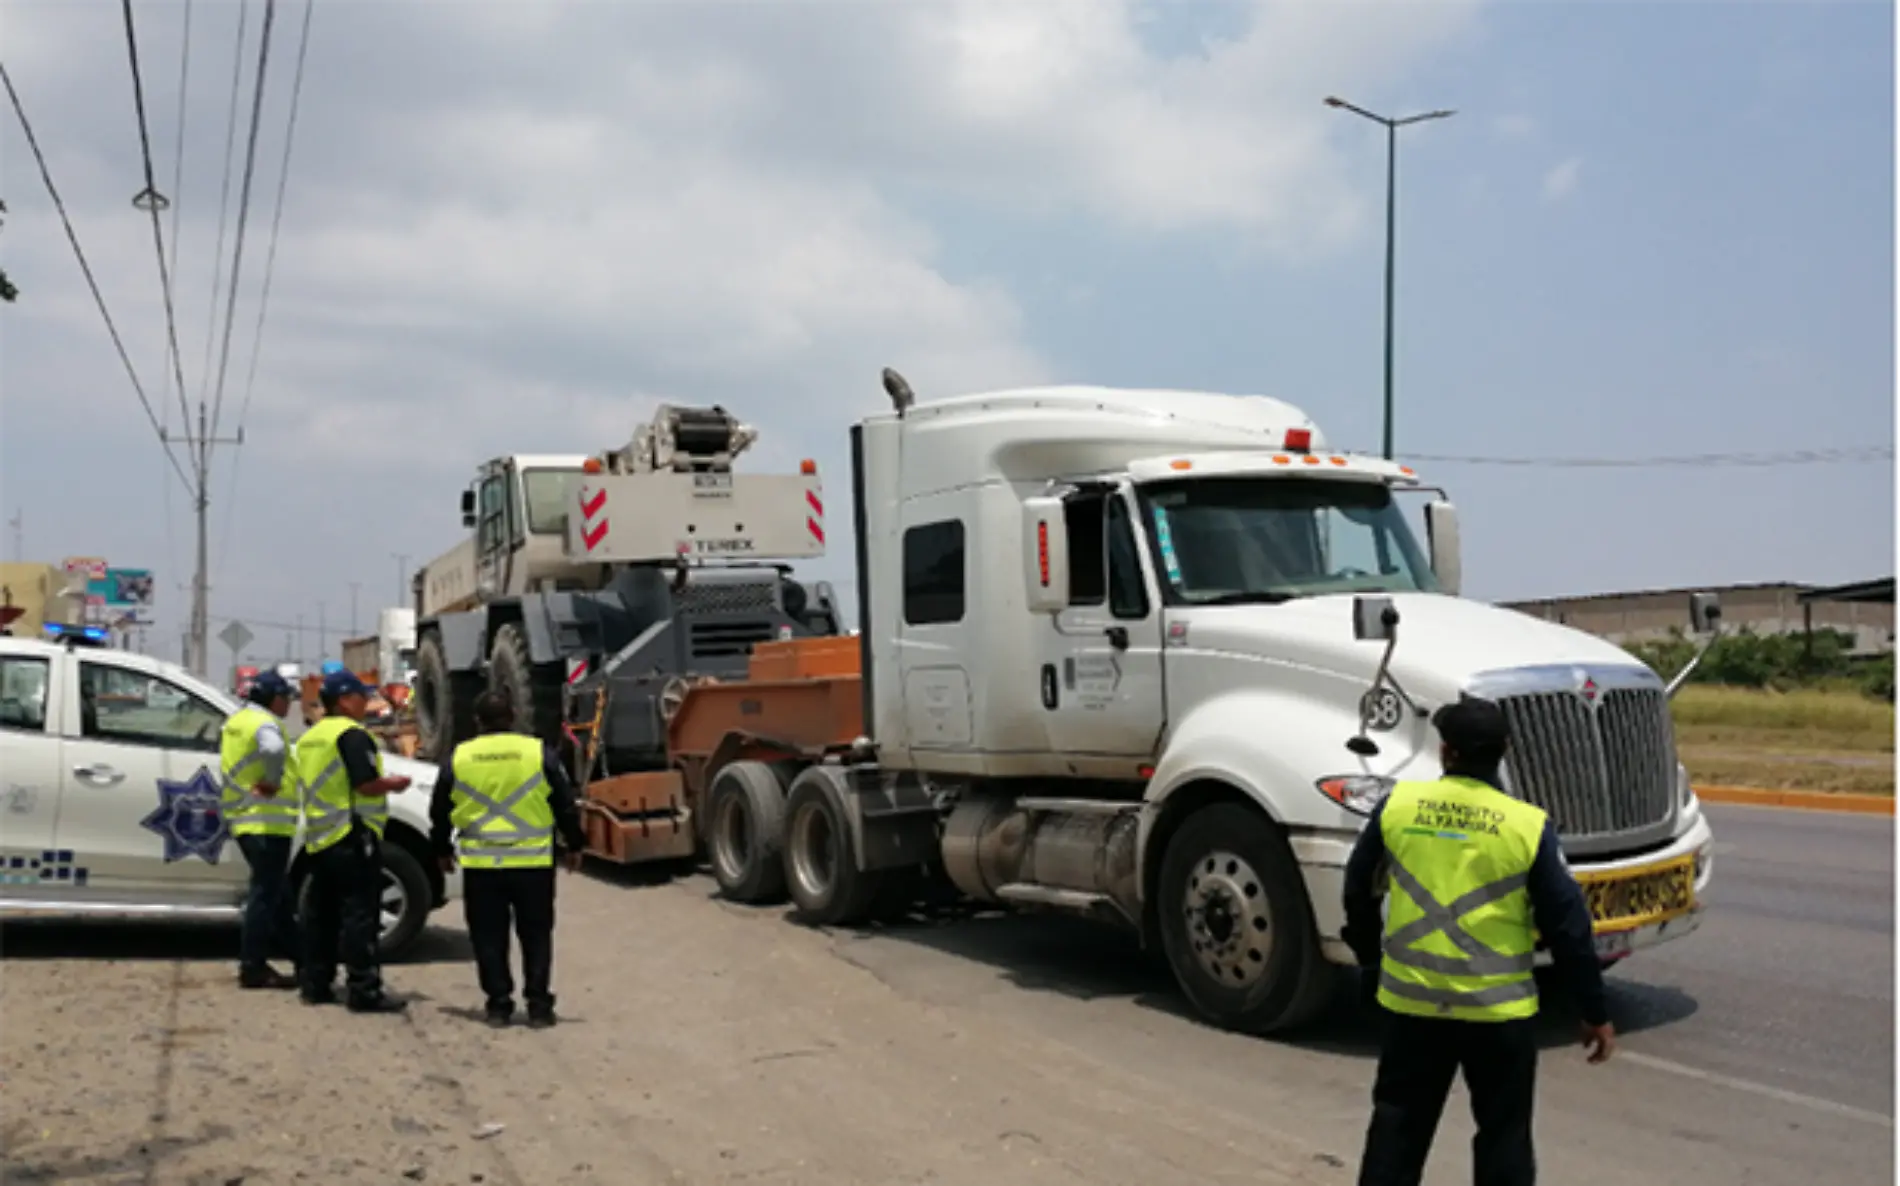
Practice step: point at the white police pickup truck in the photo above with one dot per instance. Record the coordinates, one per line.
(109, 792)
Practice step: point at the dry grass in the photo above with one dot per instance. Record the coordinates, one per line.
(1810, 740)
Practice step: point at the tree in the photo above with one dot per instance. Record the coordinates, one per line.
(7, 291)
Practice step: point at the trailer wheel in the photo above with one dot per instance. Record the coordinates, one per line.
(745, 810)
(441, 721)
(821, 863)
(1236, 923)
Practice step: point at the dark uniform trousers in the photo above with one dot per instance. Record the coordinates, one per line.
(493, 899)
(1417, 1061)
(345, 911)
(270, 920)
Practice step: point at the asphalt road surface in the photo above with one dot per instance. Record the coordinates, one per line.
(711, 1043)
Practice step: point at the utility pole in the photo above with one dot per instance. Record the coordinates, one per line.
(323, 636)
(402, 577)
(19, 534)
(355, 588)
(300, 654)
(199, 449)
(1391, 127)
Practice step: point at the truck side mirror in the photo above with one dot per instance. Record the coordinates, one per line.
(468, 508)
(1441, 535)
(1045, 556)
(1705, 612)
(1374, 619)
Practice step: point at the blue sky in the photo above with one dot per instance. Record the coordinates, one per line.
(1652, 229)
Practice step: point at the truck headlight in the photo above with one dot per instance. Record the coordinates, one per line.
(1685, 792)
(1357, 793)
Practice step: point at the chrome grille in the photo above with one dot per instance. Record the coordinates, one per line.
(1598, 771)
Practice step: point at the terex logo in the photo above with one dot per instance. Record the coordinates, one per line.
(721, 547)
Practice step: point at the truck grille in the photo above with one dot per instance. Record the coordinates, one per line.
(729, 639)
(730, 597)
(1598, 772)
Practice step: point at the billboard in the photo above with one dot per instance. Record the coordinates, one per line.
(120, 596)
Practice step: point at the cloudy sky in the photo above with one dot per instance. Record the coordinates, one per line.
(1652, 230)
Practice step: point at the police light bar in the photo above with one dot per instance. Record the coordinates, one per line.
(96, 636)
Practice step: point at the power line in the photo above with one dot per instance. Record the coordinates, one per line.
(270, 267)
(244, 208)
(92, 282)
(178, 192)
(152, 201)
(224, 200)
(1836, 456)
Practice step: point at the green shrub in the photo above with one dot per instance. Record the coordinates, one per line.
(1777, 662)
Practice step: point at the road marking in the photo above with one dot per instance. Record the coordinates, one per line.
(1762, 1089)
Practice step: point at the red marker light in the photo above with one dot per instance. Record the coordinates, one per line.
(1042, 550)
(1299, 440)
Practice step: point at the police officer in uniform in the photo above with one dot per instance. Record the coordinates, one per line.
(505, 796)
(344, 787)
(260, 807)
(1475, 877)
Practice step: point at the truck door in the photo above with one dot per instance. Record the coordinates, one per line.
(140, 804)
(491, 532)
(1105, 648)
(30, 867)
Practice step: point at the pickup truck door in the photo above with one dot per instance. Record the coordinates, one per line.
(30, 867)
(1102, 686)
(140, 806)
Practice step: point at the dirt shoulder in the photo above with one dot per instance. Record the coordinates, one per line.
(700, 1043)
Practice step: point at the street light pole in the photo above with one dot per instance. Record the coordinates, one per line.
(1392, 127)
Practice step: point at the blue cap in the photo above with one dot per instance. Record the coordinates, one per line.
(271, 685)
(333, 666)
(344, 683)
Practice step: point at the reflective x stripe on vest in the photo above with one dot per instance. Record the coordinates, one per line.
(500, 803)
(328, 803)
(1459, 855)
(241, 762)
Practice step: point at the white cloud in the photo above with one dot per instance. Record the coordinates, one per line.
(1561, 181)
(511, 226)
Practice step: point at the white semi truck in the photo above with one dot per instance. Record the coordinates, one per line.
(1153, 656)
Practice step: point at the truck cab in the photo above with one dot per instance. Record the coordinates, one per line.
(1162, 652)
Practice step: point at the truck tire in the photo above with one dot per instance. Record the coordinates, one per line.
(821, 862)
(1236, 924)
(745, 814)
(443, 720)
(536, 695)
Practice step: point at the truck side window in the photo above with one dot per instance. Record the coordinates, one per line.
(23, 683)
(933, 573)
(1127, 589)
(493, 510)
(1088, 567)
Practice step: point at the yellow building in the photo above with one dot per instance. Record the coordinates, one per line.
(40, 591)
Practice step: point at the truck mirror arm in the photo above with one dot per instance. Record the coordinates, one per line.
(1681, 678)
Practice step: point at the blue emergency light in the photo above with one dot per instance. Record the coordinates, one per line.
(96, 636)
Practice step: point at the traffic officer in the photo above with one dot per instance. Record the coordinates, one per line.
(260, 808)
(344, 787)
(1476, 877)
(506, 795)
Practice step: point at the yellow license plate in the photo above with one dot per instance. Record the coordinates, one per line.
(1633, 898)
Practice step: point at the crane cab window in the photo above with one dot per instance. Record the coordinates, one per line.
(547, 493)
(491, 514)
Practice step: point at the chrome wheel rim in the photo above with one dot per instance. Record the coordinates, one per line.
(394, 903)
(730, 841)
(814, 851)
(1228, 925)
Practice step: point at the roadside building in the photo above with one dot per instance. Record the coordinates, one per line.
(1863, 610)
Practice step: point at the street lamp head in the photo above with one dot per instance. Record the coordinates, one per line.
(1334, 101)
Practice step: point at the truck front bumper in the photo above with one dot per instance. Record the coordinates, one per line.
(1322, 857)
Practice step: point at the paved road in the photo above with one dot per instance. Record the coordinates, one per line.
(714, 1043)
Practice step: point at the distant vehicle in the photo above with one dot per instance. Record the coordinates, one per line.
(113, 788)
(246, 676)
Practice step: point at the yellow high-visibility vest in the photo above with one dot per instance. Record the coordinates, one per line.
(328, 803)
(500, 803)
(1459, 937)
(241, 762)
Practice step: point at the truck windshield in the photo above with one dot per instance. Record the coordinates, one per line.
(1239, 540)
(547, 493)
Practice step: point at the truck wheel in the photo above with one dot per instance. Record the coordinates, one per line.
(1236, 923)
(745, 813)
(536, 697)
(821, 863)
(441, 722)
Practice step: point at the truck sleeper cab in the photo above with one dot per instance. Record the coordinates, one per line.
(1111, 664)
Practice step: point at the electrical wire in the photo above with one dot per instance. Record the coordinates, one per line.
(152, 206)
(92, 283)
(224, 201)
(270, 267)
(178, 190)
(1837, 456)
(244, 209)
